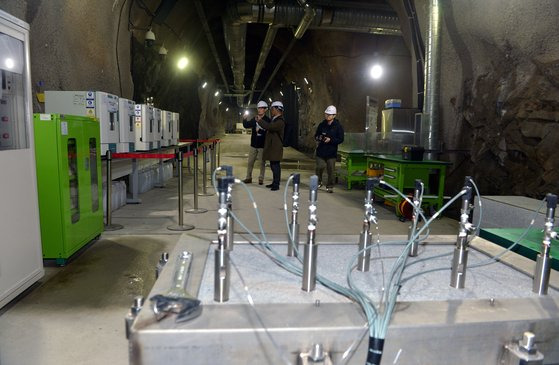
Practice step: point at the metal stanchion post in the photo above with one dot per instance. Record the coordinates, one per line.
(188, 148)
(205, 172)
(109, 226)
(196, 210)
(218, 152)
(212, 159)
(181, 226)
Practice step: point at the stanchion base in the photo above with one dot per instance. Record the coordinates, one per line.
(184, 227)
(196, 210)
(206, 194)
(113, 227)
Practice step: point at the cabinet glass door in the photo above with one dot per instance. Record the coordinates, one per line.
(93, 174)
(73, 181)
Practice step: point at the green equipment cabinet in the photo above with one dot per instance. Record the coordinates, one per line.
(353, 167)
(402, 174)
(69, 183)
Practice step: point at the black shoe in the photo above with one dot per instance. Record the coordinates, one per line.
(247, 181)
(274, 188)
(329, 190)
(260, 182)
(269, 185)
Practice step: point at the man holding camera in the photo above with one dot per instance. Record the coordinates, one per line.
(329, 135)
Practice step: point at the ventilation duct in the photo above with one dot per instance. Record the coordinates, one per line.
(292, 15)
(430, 117)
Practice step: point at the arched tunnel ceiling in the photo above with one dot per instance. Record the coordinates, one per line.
(199, 29)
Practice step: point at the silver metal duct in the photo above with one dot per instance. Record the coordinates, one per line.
(241, 12)
(309, 14)
(206, 27)
(430, 119)
(266, 46)
(235, 37)
(342, 19)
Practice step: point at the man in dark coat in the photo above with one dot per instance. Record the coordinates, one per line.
(257, 140)
(273, 145)
(329, 135)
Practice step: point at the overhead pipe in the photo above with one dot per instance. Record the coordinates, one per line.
(266, 46)
(308, 16)
(235, 40)
(430, 119)
(290, 15)
(210, 38)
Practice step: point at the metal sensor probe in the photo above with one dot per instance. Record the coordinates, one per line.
(460, 259)
(309, 261)
(415, 217)
(543, 262)
(366, 236)
(230, 239)
(222, 267)
(293, 240)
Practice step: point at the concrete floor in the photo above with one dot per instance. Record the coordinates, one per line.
(75, 314)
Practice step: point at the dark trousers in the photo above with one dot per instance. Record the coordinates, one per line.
(276, 172)
(329, 164)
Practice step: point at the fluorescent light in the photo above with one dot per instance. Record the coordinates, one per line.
(281, 93)
(226, 109)
(304, 78)
(219, 103)
(216, 93)
(204, 85)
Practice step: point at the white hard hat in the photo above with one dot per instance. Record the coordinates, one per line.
(262, 104)
(330, 110)
(277, 104)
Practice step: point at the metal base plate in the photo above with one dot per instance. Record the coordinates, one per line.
(184, 227)
(196, 211)
(113, 227)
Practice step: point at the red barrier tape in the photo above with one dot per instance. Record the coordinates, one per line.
(143, 155)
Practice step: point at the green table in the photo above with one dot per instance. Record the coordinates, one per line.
(353, 166)
(402, 174)
(529, 246)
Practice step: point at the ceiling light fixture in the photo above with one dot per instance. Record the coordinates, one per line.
(376, 72)
(149, 38)
(183, 62)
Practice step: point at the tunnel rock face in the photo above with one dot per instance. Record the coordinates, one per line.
(76, 45)
(500, 94)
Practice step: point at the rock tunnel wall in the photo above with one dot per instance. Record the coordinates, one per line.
(500, 94)
(76, 45)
